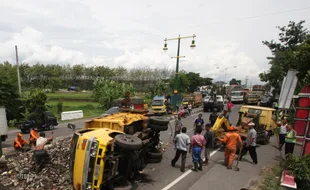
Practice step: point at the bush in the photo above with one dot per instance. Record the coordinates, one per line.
(300, 169)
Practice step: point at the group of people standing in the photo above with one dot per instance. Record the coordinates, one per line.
(287, 137)
(198, 142)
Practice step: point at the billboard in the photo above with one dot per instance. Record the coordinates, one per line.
(287, 90)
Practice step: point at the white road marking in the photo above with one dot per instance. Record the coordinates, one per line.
(185, 174)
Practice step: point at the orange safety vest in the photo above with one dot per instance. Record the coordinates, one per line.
(231, 140)
(33, 136)
(19, 143)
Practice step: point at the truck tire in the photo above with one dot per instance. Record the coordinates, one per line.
(128, 142)
(153, 160)
(158, 127)
(155, 155)
(159, 121)
(126, 186)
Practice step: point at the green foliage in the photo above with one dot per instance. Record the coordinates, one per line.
(34, 102)
(290, 52)
(106, 91)
(233, 82)
(59, 107)
(159, 88)
(9, 97)
(300, 169)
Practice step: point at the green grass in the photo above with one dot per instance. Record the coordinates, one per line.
(271, 177)
(70, 95)
(90, 109)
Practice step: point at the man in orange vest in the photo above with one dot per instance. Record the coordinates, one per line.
(19, 142)
(33, 136)
(231, 139)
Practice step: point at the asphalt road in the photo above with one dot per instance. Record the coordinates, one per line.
(215, 176)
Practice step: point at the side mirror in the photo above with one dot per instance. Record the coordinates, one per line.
(71, 126)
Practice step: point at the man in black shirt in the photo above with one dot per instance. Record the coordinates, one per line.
(213, 117)
(209, 136)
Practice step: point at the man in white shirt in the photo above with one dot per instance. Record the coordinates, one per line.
(251, 143)
(40, 154)
(282, 133)
(182, 141)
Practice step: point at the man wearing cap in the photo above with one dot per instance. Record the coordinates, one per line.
(213, 117)
(250, 143)
(231, 139)
(19, 142)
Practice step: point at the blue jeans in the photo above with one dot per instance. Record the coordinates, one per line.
(197, 154)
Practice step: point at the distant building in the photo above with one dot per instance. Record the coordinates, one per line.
(219, 83)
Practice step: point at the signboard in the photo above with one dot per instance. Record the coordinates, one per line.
(287, 90)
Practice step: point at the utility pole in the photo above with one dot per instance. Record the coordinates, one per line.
(176, 79)
(246, 81)
(18, 75)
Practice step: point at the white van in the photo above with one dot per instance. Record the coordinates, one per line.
(3, 124)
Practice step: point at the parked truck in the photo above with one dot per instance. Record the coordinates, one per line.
(187, 99)
(236, 94)
(3, 124)
(158, 105)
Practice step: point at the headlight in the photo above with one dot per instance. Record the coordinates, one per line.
(89, 186)
(93, 153)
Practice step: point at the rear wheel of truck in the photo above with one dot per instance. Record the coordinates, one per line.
(155, 155)
(159, 121)
(153, 160)
(128, 142)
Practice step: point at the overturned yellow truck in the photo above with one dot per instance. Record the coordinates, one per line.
(112, 150)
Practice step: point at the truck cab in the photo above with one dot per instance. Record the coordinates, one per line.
(158, 105)
(237, 96)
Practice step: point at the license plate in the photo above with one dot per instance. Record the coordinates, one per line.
(97, 171)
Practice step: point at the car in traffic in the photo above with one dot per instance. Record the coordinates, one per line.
(209, 103)
(110, 111)
(266, 101)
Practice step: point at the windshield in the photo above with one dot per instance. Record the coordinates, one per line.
(218, 98)
(254, 111)
(158, 103)
(207, 98)
(236, 93)
(265, 99)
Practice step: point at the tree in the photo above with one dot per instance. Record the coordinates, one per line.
(233, 82)
(106, 91)
(9, 98)
(290, 52)
(184, 82)
(194, 81)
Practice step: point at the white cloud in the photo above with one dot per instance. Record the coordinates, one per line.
(131, 33)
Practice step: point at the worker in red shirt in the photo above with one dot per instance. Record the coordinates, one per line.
(230, 139)
(229, 106)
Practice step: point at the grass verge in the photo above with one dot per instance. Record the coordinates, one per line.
(90, 109)
(270, 178)
(70, 96)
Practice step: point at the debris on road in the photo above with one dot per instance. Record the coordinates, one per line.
(18, 172)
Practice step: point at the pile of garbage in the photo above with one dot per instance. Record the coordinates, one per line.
(18, 171)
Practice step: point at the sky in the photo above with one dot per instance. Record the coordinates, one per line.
(131, 33)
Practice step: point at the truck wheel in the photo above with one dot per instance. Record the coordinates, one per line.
(159, 121)
(158, 127)
(128, 142)
(155, 155)
(153, 160)
(126, 186)
(51, 127)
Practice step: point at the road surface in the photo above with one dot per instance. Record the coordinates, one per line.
(215, 176)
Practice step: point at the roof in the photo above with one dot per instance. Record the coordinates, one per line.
(259, 107)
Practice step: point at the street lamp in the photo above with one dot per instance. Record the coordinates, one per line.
(176, 80)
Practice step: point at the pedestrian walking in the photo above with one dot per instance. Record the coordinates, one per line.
(213, 117)
(231, 139)
(250, 143)
(198, 123)
(282, 133)
(290, 140)
(209, 136)
(178, 125)
(190, 109)
(197, 143)
(181, 141)
(229, 106)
